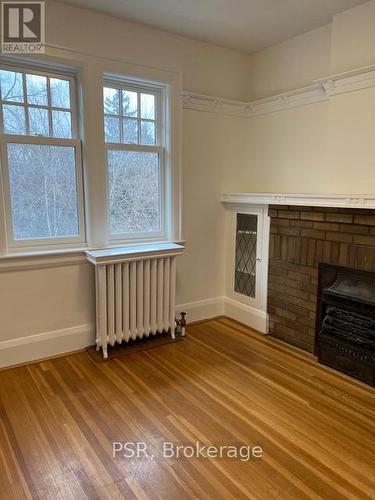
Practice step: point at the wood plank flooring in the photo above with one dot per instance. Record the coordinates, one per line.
(223, 385)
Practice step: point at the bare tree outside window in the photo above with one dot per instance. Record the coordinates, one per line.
(43, 191)
(134, 194)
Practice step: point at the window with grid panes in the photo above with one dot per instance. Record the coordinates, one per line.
(40, 158)
(135, 160)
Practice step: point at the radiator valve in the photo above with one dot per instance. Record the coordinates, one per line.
(181, 324)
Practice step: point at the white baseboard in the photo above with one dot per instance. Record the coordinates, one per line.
(202, 309)
(250, 316)
(53, 343)
(209, 308)
(44, 345)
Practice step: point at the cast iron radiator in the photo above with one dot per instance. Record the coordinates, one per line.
(135, 292)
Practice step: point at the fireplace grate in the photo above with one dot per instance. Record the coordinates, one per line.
(345, 335)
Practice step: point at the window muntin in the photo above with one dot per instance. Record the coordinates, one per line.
(40, 158)
(130, 115)
(36, 104)
(135, 161)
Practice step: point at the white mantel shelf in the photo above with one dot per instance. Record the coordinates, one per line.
(307, 200)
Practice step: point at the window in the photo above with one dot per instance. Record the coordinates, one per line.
(40, 158)
(132, 189)
(133, 128)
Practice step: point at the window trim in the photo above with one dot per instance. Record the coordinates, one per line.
(160, 147)
(13, 245)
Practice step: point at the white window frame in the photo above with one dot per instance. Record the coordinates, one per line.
(31, 244)
(160, 147)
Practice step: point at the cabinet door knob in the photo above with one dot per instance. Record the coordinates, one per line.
(259, 259)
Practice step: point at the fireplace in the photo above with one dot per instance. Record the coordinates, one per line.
(345, 323)
(301, 238)
(306, 231)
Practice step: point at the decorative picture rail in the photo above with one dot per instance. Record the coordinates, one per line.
(320, 90)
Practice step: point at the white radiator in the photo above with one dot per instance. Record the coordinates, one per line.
(135, 292)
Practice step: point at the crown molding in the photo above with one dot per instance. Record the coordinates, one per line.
(319, 91)
(366, 201)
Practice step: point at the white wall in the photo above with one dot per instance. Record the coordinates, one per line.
(353, 38)
(291, 64)
(213, 144)
(49, 299)
(285, 152)
(351, 122)
(351, 146)
(324, 147)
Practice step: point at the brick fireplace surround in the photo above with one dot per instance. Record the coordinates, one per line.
(301, 238)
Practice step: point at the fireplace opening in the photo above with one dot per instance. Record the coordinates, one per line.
(345, 323)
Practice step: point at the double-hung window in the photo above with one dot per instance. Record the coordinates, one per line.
(40, 158)
(135, 148)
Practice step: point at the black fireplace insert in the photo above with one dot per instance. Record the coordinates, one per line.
(345, 326)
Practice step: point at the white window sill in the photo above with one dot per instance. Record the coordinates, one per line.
(133, 252)
(39, 259)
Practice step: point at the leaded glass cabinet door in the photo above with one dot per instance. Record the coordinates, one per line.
(247, 270)
(246, 255)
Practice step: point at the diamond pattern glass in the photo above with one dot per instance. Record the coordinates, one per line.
(246, 250)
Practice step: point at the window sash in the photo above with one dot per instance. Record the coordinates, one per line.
(159, 148)
(148, 235)
(145, 236)
(47, 242)
(158, 110)
(31, 71)
(5, 139)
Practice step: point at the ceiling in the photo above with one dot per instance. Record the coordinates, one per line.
(247, 25)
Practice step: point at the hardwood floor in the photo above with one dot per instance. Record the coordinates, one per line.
(223, 385)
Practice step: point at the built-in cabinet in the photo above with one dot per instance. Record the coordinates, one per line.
(247, 255)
